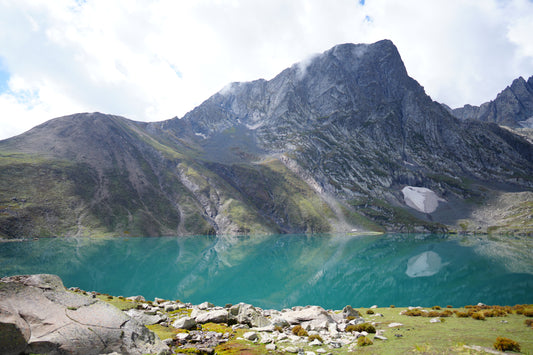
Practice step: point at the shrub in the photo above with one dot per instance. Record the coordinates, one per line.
(435, 307)
(506, 344)
(278, 328)
(364, 341)
(369, 311)
(315, 336)
(478, 316)
(449, 306)
(392, 306)
(413, 312)
(431, 314)
(298, 330)
(446, 313)
(109, 297)
(529, 322)
(363, 327)
(462, 314)
(528, 312)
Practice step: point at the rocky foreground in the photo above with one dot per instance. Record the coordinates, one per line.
(38, 315)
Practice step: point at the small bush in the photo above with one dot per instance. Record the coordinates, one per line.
(436, 307)
(528, 312)
(109, 297)
(278, 329)
(431, 314)
(315, 336)
(363, 327)
(446, 313)
(506, 344)
(449, 306)
(369, 311)
(121, 298)
(413, 312)
(462, 314)
(298, 330)
(478, 316)
(364, 341)
(529, 322)
(392, 306)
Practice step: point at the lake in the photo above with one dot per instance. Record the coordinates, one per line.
(280, 271)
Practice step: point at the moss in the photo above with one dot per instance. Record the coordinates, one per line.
(364, 341)
(299, 331)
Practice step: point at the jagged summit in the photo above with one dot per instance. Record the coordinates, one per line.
(327, 145)
(512, 107)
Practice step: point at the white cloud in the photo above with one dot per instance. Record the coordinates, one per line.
(155, 59)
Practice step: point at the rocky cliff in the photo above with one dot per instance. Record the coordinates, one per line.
(512, 107)
(326, 146)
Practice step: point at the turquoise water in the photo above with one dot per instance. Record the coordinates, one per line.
(280, 271)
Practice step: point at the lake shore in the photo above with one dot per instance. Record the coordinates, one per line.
(182, 327)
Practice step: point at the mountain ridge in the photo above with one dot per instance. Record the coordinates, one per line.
(325, 146)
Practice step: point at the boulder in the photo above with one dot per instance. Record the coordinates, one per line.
(348, 311)
(309, 313)
(14, 331)
(184, 323)
(143, 318)
(250, 336)
(64, 322)
(217, 316)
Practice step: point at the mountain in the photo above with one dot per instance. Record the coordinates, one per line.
(345, 141)
(512, 107)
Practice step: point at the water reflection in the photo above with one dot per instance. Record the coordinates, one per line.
(279, 271)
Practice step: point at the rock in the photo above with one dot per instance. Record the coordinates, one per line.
(380, 337)
(309, 313)
(63, 322)
(291, 349)
(250, 336)
(435, 320)
(315, 342)
(348, 311)
(217, 316)
(309, 353)
(395, 324)
(143, 318)
(182, 337)
(136, 298)
(271, 347)
(321, 351)
(204, 306)
(374, 306)
(14, 331)
(184, 323)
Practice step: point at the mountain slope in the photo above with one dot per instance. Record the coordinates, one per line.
(325, 146)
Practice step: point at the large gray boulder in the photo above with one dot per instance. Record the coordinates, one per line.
(38, 315)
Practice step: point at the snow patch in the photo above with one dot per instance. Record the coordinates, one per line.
(201, 135)
(425, 264)
(421, 199)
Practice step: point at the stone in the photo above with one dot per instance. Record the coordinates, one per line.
(136, 298)
(250, 336)
(64, 322)
(321, 351)
(309, 313)
(205, 305)
(380, 337)
(217, 316)
(144, 318)
(315, 342)
(374, 306)
(309, 353)
(184, 323)
(14, 331)
(435, 320)
(271, 347)
(348, 311)
(395, 324)
(291, 349)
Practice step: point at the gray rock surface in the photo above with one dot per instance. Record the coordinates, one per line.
(61, 322)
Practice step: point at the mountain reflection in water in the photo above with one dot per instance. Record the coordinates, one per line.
(278, 271)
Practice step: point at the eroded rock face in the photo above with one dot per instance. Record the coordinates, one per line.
(39, 316)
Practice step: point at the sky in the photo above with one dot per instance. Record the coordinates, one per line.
(151, 60)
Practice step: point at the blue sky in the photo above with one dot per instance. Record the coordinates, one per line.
(151, 60)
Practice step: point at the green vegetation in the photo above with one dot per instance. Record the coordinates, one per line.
(506, 344)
